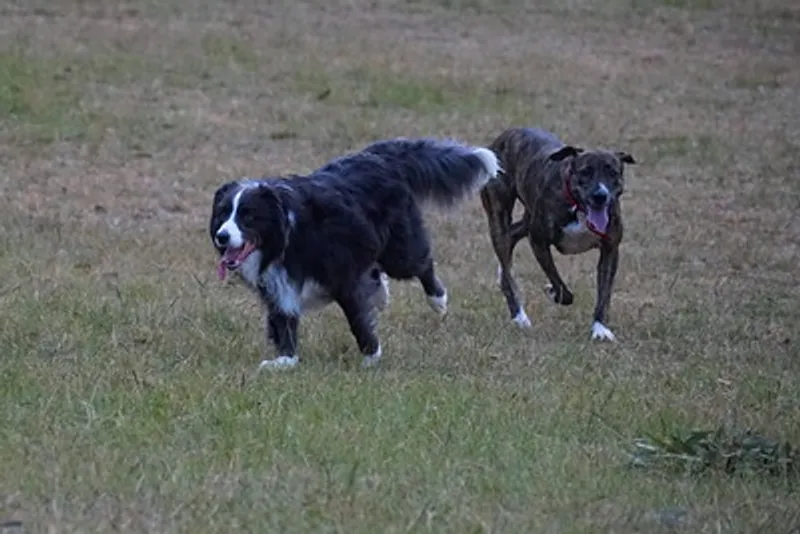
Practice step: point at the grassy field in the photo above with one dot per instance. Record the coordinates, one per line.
(130, 397)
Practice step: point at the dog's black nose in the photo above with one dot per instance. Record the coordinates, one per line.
(599, 196)
(223, 237)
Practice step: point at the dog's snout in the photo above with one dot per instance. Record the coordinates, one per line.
(599, 196)
(223, 237)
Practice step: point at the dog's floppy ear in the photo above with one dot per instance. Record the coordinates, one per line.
(624, 157)
(268, 193)
(565, 152)
(275, 219)
(222, 191)
(271, 196)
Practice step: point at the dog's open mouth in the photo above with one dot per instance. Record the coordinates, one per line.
(233, 258)
(597, 218)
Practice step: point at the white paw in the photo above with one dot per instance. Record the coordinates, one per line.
(601, 332)
(438, 304)
(521, 319)
(372, 359)
(281, 362)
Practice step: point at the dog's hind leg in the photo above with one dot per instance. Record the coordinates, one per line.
(363, 322)
(434, 289)
(408, 255)
(556, 290)
(516, 232)
(498, 203)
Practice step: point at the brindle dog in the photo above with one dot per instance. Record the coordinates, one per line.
(571, 201)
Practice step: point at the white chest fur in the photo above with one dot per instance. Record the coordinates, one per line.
(577, 238)
(283, 291)
(250, 268)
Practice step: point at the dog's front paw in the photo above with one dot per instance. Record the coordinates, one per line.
(372, 360)
(521, 319)
(564, 297)
(438, 304)
(281, 362)
(601, 333)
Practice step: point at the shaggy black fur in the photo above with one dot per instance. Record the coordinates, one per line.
(326, 237)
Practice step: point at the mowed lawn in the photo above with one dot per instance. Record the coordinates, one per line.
(130, 397)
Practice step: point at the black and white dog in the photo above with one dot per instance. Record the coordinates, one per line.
(302, 242)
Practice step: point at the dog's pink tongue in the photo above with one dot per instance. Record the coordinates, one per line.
(227, 256)
(598, 218)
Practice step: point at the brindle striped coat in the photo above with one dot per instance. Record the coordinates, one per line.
(553, 181)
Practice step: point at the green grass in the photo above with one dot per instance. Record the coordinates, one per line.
(38, 99)
(196, 445)
(376, 88)
(154, 418)
(130, 396)
(237, 53)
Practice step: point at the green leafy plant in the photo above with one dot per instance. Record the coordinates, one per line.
(697, 451)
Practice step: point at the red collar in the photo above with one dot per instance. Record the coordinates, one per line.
(575, 206)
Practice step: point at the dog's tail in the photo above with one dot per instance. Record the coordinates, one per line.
(441, 171)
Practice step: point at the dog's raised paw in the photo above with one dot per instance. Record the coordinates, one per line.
(601, 333)
(521, 319)
(281, 362)
(565, 299)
